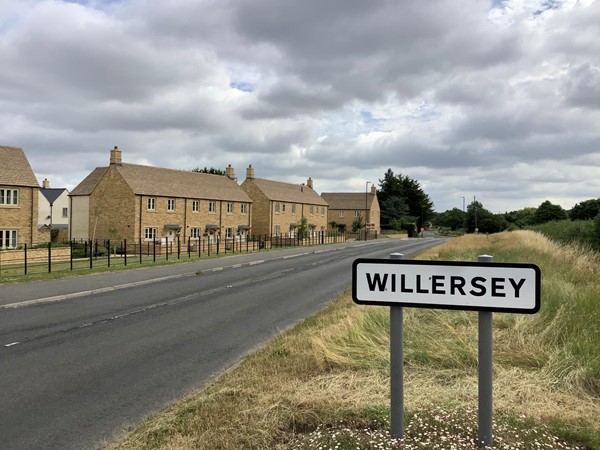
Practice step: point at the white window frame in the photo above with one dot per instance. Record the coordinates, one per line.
(283, 207)
(9, 238)
(195, 233)
(357, 213)
(229, 207)
(150, 233)
(341, 213)
(312, 210)
(65, 212)
(229, 232)
(293, 208)
(151, 204)
(277, 207)
(9, 197)
(195, 206)
(171, 204)
(277, 230)
(244, 208)
(212, 207)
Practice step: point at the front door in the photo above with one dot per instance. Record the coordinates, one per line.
(172, 235)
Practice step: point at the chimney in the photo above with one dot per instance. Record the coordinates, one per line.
(309, 182)
(250, 173)
(230, 172)
(115, 157)
(45, 184)
(373, 190)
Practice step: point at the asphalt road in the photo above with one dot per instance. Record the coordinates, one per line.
(83, 359)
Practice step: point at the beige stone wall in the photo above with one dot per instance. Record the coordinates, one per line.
(111, 208)
(22, 217)
(316, 215)
(79, 223)
(36, 254)
(186, 217)
(374, 215)
(261, 208)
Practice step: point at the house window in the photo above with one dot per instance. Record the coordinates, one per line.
(277, 230)
(150, 233)
(151, 203)
(9, 197)
(244, 208)
(277, 207)
(341, 214)
(194, 233)
(228, 232)
(293, 208)
(312, 210)
(8, 238)
(229, 208)
(171, 204)
(212, 207)
(283, 207)
(65, 212)
(357, 213)
(195, 205)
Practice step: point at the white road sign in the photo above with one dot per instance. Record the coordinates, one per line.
(500, 287)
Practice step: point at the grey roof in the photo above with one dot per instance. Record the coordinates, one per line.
(160, 182)
(287, 192)
(15, 169)
(349, 200)
(52, 194)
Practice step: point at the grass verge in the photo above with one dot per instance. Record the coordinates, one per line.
(325, 384)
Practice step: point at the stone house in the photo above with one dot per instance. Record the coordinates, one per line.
(136, 202)
(53, 209)
(19, 196)
(278, 207)
(346, 207)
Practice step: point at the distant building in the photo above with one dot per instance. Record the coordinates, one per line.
(19, 196)
(346, 207)
(278, 207)
(54, 209)
(130, 201)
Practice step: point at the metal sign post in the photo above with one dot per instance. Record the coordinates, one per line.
(396, 367)
(482, 286)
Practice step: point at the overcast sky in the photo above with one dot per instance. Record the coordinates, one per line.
(498, 100)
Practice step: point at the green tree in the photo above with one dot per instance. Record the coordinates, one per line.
(521, 218)
(585, 210)
(454, 219)
(212, 170)
(303, 228)
(357, 224)
(547, 212)
(402, 188)
(484, 221)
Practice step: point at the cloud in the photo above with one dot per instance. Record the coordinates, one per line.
(472, 99)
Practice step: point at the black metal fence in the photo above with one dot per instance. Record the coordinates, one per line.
(87, 255)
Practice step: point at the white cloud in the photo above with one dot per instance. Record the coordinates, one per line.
(500, 101)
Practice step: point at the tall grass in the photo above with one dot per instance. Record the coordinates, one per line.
(580, 232)
(334, 368)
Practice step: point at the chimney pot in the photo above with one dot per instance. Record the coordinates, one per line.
(373, 190)
(46, 184)
(250, 172)
(230, 172)
(309, 182)
(115, 156)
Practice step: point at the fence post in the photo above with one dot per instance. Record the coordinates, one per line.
(91, 255)
(178, 247)
(125, 251)
(71, 254)
(25, 250)
(108, 252)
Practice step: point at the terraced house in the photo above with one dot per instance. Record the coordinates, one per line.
(278, 207)
(133, 202)
(19, 195)
(346, 207)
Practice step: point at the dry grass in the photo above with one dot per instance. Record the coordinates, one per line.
(335, 366)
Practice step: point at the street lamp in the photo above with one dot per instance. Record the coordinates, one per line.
(463, 204)
(366, 205)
